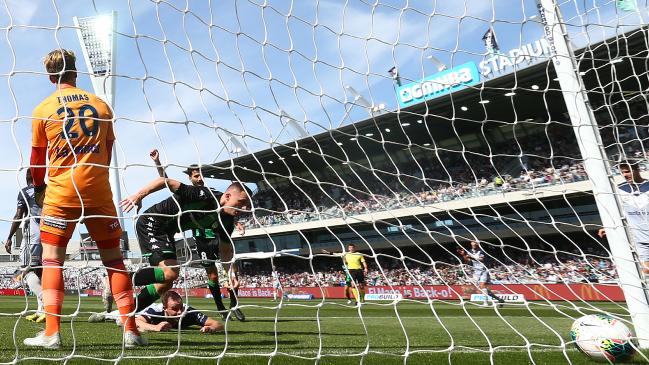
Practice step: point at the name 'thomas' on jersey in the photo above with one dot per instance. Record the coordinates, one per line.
(76, 127)
(635, 202)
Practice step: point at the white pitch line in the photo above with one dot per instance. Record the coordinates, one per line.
(370, 317)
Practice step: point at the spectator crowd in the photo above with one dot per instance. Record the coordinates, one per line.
(435, 177)
(524, 271)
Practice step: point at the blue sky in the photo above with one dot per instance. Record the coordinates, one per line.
(185, 77)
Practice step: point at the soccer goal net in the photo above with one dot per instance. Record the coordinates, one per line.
(434, 181)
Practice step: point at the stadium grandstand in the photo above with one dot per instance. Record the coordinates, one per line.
(452, 168)
(447, 170)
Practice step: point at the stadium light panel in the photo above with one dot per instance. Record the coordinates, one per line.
(239, 147)
(535, 87)
(339, 143)
(405, 124)
(485, 101)
(293, 123)
(359, 99)
(419, 121)
(617, 60)
(369, 134)
(463, 108)
(96, 36)
(440, 65)
(352, 139)
(426, 144)
(510, 93)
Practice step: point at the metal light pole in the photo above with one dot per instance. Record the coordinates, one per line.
(96, 35)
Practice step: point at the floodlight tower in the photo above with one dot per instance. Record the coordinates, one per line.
(97, 38)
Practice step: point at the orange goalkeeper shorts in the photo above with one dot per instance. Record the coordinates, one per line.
(61, 221)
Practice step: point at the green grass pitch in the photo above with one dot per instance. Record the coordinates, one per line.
(303, 330)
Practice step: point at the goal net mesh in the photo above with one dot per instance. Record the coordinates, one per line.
(406, 128)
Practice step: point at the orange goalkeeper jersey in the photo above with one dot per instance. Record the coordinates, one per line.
(77, 147)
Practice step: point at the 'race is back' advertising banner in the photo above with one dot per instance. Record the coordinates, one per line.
(441, 83)
(511, 292)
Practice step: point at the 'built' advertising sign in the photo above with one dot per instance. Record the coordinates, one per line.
(438, 84)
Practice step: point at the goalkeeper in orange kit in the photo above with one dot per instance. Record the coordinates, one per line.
(73, 129)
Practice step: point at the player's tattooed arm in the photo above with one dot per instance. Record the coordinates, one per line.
(135, 200)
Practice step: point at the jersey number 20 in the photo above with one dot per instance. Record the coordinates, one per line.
(67, 133)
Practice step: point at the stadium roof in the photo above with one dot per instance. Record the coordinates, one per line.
(424, 124)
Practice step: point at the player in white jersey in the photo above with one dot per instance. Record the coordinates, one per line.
(634, 194)
(476, 257)
(277, 286)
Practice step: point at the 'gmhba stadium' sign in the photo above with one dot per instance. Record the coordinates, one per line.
(438, 84)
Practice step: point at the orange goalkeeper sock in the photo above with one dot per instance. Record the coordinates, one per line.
(120, 286)
(52, 283)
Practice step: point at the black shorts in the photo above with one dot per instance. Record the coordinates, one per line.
(155, 243)
(207, 251)
(357, 275)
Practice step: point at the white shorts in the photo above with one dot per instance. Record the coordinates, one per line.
(482, 276)
(31, 249)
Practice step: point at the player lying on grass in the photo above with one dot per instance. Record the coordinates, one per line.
(190, 207)
(213, 245)
(476, 257)
(170, 314)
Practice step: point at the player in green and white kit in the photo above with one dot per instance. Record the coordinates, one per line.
(213, 246)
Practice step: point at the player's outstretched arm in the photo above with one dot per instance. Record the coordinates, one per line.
(144, 325)
(155, 156)
(212, 325)
(463, 254)
(20, 213)
(136, 199)
(339, 254)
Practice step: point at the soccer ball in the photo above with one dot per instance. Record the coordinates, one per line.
(603, 338)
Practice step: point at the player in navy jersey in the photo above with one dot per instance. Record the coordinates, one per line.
(171, 313)
(476, 258)
(634, 194)
(31, 249)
